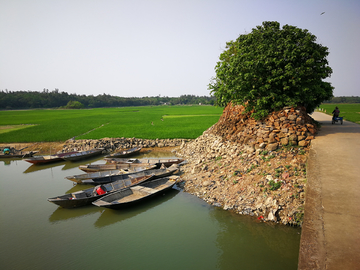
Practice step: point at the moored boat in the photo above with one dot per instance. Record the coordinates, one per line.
(48, 158)
(157, 162)
(157, 173)
(84, 154)
(87, 196)
(80, 178)
(11, 152)
(136, 194)
(107, 167)
(125, 153)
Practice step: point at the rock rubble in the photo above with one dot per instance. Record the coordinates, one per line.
(251, 167)
(112, 144)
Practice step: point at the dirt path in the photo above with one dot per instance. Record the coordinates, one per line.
(331, 232)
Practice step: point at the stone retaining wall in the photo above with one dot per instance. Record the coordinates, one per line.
(290, 126)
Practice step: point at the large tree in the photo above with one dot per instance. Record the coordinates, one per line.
(270, 68)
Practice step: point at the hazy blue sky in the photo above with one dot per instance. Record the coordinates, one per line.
(156, 47)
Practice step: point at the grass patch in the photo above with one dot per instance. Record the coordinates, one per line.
(4, 129)
(187, 122)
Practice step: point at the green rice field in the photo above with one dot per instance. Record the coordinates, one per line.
(162, 122)
(350, 112)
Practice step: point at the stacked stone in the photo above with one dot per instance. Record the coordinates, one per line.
(290, 126)
(112, 144)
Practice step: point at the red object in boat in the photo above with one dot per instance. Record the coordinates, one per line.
(100, 191)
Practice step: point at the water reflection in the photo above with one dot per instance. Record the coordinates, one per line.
(73, 164)
(255, 244)
(200, 236)
(63, 214)
(39, 167)
(110, 216)
(8, 161)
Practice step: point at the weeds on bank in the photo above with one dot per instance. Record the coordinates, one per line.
(274, 185)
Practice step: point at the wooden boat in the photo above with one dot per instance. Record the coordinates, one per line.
(107, 167)
(87, 196)
(131, 195)
(11, 152)
(80, 178)
(84, 154)
(48, 158)
(157, 162)
(125, 153)
(158, 173)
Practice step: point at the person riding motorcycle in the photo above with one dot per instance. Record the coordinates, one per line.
(336, 113)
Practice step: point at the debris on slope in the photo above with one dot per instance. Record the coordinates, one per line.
(255, 168)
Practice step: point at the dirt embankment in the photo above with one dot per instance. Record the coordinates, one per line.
(252, 167)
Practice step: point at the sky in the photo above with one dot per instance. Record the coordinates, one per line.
(138, 48)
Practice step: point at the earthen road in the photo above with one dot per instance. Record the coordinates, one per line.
(330, 237)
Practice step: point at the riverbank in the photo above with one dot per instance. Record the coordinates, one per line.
(269, 185)
(255, 168)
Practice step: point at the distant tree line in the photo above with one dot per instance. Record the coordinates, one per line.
(10, 100)
(344, 100)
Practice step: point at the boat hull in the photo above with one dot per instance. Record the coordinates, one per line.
(19, 155)
(108, 167)
(90, 178)
(137, 194)
(158, 173)
(84, 154)
(48, 159)
(157, 162)
(87, 196)
(125, 153)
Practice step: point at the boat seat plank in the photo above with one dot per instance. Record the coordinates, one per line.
(161, 187)
(130, 198)
(137, 188)
(148, 190)
(79, 195)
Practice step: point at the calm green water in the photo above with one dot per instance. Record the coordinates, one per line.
(173, 231)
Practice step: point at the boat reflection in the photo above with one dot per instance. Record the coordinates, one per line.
(110, 216)
(70, 165)
(64, 214)
(39, 167)
(8, 161)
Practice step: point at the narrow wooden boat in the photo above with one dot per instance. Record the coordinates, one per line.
(48, 158)
(158, 173)
(125, 153)
(84, 154)
(11, 152)
(157, 162)
(107, 167)
(136, 194)
(87, 196)
(80, 178)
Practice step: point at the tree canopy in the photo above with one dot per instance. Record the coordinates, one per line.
(271, 68)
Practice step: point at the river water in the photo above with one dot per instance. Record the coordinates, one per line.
(175, 230)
